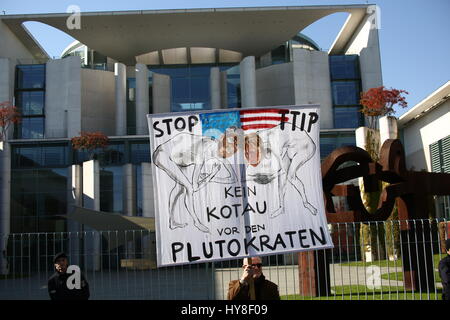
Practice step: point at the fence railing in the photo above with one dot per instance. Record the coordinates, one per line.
(395, 260)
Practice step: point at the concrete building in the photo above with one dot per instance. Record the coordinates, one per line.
(425, 133)
(127, 64)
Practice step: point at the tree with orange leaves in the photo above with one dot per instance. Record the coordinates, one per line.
(9, 114)
(90, 141)
(378, 102)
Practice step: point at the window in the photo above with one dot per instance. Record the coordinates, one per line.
(329, 141)
(38, 156)
(111, 189)
(346, 90)
(190, 85)
(233, 86)
(30, 99)
(30, 76)
(113, 154)
(38, 196)
(30, 102)
(344, 67)
(347, 117)
(440, 162)
(139, 152)
(440, 155)
(345, 93)
(31, 128)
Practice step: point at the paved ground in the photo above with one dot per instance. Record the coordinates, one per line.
(176, 283)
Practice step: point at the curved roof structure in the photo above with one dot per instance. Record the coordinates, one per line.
(251, 31)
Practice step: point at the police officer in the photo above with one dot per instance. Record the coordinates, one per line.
(444, 272)
(57, 284)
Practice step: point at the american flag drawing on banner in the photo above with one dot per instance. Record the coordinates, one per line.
(254, 120)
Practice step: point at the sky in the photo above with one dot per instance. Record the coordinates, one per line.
(414, 34)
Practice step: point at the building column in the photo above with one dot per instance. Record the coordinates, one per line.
(214, 84)
(312, 83)
(248, 82)
(142, 99)
(361, 134)
(5, 203)
(91, 200)
(388, 128)
(7, 76)
(162, 92)
(129, 190)
(223, 90)
(74, 198)
(147, 190)
(63, 98)
(129, 202)
(120, 76)
(148, 241)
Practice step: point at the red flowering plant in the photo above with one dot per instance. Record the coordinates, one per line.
(9, 114)
(378, 102)
(90, 142)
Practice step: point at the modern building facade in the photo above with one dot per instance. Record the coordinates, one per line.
(425, 134)
(127, 64)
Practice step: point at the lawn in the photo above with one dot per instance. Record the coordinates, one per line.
(360, 292)
(398, 276)
(388, 263)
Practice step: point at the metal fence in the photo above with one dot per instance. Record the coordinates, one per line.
(395, 260)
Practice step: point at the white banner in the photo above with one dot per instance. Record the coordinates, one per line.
(236, 183)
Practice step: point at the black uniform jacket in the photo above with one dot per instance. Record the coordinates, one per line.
(58, 290)
(444, 272)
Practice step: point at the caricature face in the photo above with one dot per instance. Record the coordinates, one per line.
(253, 149)
(228, 144)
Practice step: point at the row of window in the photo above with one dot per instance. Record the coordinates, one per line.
(39, 180)
(345, 89)
(41, 195)
(190, 90)
(30, 99)
(62, 155)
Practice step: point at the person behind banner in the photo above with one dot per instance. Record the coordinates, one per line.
(444, 272)
(264, 289)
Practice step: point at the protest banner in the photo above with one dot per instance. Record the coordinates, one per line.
(235, 183)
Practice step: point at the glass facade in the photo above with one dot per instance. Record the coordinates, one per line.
(111, 189)
(30, 100)
(40, 171)
(39, 187)
(344, 67)
(39, 181)
(332, 140)
(31, 76)
(190, 85)
(345, 89)
(233, 87)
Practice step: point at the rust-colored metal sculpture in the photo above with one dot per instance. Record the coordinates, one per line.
(409, 189)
